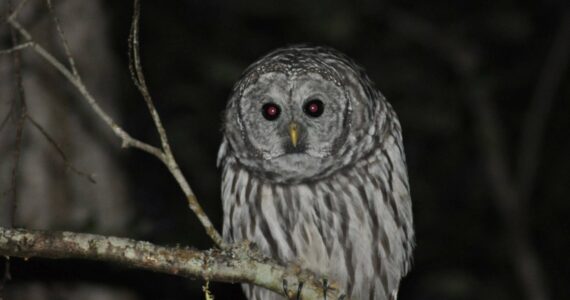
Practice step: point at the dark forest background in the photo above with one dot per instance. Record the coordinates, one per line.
(478, 86)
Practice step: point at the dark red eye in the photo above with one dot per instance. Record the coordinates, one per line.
(314, 108)
(270, 111)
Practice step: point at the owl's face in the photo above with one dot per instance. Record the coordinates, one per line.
(293, 125)
(293, 121)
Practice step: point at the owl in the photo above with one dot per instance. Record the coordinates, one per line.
(314, 172)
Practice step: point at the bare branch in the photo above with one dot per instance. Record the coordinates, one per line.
(164, 154)
(57, 148)
(63, 39)
(221, 265)
(127, 140)
(16, 162)
(541, 103)
(492, 145)
(492, 142)
(18, 102)
(16, 48)
(14, 13)
(236, 264)
(5, 119)
(137, 74)
(507, 193)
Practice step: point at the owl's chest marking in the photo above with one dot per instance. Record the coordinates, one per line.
(343, 227)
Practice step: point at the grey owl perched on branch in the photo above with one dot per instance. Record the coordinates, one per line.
(314, 172)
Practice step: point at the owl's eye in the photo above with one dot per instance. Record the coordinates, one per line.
(314, 108)
(270, 111)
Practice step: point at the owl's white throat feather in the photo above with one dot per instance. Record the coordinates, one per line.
(295, 166)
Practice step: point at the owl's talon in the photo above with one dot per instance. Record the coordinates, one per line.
(285, 288)
(299, 288)
(341, 297)
(325, 288)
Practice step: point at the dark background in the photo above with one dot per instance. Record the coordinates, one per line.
(457, 73)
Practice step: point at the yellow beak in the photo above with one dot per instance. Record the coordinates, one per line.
(293, 133)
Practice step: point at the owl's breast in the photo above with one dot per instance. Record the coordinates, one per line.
(342, 227)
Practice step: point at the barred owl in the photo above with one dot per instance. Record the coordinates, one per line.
(314, 173)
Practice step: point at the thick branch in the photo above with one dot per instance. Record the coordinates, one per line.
(237, 264)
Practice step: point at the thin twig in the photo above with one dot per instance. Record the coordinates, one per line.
(19, 101)
(127, 140)
(492, 142)
(16, 48)
(137, 74)
(235, 264)
(14, 13)
(507, 194)
(6, 118)
(533, 128)
(164, 153)
(62, 39)
(60, 151)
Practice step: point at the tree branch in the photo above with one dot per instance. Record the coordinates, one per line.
(59, 151)
(541, 103)
(164, 154)
(168, 159)
(20, 103)
(507, 193)
(62, 38)
(16, 48)
(127, 140)
(234, 264)
(230, 264)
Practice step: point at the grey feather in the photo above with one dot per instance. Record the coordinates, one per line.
(338, 203)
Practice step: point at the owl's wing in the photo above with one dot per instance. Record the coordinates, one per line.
(222, 152)
(399, 192)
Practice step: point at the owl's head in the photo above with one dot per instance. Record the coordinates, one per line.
(299, 113)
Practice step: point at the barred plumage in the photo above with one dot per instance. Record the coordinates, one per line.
(339, 204)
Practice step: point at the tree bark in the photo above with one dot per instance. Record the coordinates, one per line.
(234, 264)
